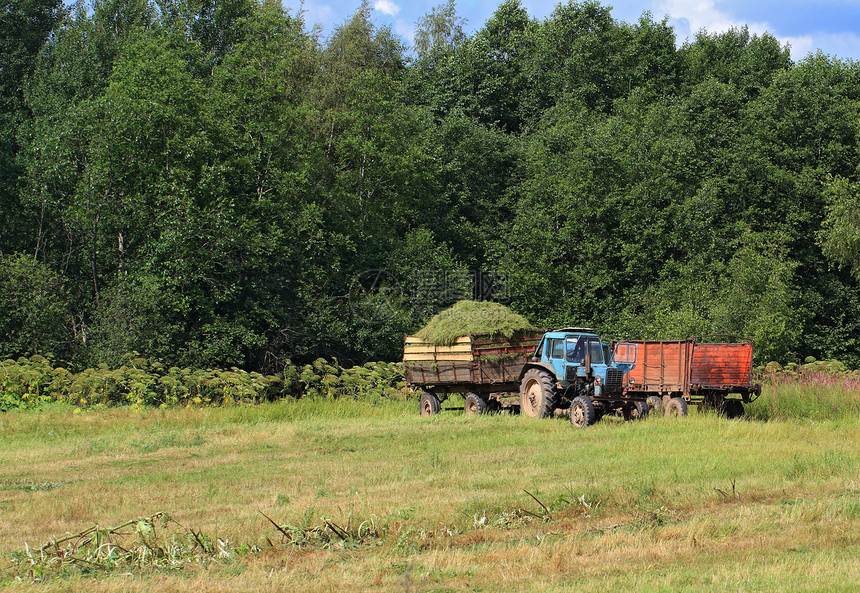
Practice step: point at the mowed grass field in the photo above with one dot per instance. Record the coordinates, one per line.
(448, 503)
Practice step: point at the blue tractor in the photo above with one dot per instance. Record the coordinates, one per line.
(571, 369)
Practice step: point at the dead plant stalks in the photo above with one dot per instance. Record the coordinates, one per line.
(547, 515)
(734, 495)
(154, 542)
(330, 534)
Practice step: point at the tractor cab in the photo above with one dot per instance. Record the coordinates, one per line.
(578, 357)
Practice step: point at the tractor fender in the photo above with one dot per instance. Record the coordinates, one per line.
(544, 366)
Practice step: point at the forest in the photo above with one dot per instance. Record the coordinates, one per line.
(218, 184)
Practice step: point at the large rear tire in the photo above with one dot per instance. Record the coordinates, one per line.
(677, 407)
(582, 412)
(537, 394)
(429, 404)
(475, 404)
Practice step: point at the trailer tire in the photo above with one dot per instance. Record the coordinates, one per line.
(655, 404)
(429, 404)
(712, 403)
(475, 404)
(582, 412)
(677, 407)
(637, 410)
(536, 394)
(733, 408)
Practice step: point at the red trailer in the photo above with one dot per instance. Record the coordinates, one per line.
(674, 373)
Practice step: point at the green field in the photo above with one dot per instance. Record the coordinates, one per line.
(376, 498)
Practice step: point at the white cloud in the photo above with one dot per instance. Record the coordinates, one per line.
(840, 45)
(800, 46)
(690, 16)
(314, 13)
(386, 7)
(406, 31)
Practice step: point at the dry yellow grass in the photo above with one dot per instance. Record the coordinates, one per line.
(661, 505)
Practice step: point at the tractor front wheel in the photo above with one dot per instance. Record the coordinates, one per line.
(582, 412)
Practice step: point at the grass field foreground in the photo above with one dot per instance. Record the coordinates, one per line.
(448, 503)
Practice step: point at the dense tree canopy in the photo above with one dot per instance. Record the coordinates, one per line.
(214, 184)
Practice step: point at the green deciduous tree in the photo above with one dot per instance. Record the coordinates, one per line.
(840, 234)
(746, 61)
(25, 26)
(439, 31)
(34, 312)
(213, 183)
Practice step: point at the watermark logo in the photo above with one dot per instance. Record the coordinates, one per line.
(377, 295)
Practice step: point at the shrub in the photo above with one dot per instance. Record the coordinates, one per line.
(29, 382)
(330, 381)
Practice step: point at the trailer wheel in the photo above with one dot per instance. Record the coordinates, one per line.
(582, 412)
(475, 404)
(536, 394)
(712, 403)
(733, 408)
(636, 411)
(677, 407)
(429, 404)
(655, 404)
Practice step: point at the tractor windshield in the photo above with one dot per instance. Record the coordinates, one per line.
(576, 350)
(596, 349)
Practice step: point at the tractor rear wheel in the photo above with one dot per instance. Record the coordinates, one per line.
(537, 394)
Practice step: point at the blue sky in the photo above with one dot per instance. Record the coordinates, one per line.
(832, 26)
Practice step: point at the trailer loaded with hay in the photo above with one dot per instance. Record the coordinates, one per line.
(486, 369)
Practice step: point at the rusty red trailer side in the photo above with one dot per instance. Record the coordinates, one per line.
(726, 367)
(662, 367)
(697, 371)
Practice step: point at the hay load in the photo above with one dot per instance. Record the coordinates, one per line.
(467, 318)
(473, 347)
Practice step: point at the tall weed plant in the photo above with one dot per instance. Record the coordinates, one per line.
(815, 390)
(31, 381)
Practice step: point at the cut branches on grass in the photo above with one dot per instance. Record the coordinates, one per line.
(474, 318)
(547, 515)
(154, 542)
(327, 533)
